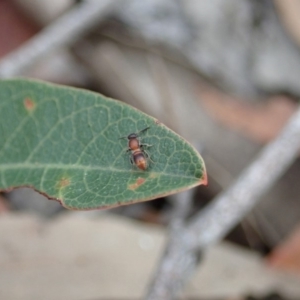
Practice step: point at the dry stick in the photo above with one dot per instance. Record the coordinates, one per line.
(61, 32)
(212, 223)
(182, 203)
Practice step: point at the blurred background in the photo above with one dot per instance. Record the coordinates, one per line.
(224, 74)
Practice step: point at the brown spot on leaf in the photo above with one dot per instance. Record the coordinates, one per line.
(29, 104)
(153, 175)
(138, 183)
(63, 182)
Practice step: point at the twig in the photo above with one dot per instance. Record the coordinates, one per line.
(182, 205)
(61, 32)
(212, 223)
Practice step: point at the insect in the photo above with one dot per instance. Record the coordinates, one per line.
(139, 156)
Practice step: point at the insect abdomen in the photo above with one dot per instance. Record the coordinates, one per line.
(140, 160)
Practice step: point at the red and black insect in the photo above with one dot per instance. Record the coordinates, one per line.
(139, 156)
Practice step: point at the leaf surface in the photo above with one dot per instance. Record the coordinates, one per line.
(65, 143)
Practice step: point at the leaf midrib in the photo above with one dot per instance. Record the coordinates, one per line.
(19, 166)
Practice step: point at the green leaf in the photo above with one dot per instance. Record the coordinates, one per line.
(65, 143)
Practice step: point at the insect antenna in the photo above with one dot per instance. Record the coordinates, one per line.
(143, 130)
(126, 137)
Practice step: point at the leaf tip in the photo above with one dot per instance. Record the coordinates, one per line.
(204, 179)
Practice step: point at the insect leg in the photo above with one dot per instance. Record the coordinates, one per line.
(146, 145)
(148, 156)
(131, 160)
